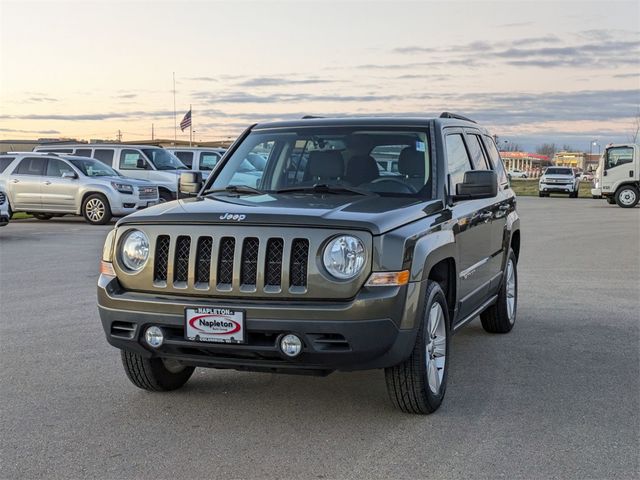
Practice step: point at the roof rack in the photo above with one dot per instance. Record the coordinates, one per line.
(308, 117)
(456, 116)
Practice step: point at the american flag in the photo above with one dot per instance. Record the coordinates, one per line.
(186, 121)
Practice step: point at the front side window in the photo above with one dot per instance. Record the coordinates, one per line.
(477, 153)
(55, 168)
(338, 158)
(496, 161)
(185, 157)
(31, 166)
(163, 159)
(5, 162)
(208, 160)
(93, 168)
(457, 160)
(104, 155)
(617, 156)
(129, 160)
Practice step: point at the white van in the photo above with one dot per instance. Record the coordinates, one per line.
(145, 162)
(198, 158)
(618, 175)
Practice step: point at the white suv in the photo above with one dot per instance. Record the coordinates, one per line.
(47, 185)
(559, 180)
(4, 208)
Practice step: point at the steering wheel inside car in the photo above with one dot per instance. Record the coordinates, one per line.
(406, 187)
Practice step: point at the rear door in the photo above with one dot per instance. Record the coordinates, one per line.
(186, 157)
(473, 231)
(59, 194)
(24, 183)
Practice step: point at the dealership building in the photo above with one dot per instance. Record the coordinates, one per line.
(532, 163)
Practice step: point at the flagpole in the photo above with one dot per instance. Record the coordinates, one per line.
(190, 126)
(175, 124)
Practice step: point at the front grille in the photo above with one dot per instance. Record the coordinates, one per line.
(181, 260)
(3, 198)
(146, 193)
(270, 267)
(299, 258)
(225, 261)
(161, 259)
(249, 268)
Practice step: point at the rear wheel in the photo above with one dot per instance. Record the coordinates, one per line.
(96, 209)
(501, 317)
(418, 384)
(627, 196)
(43, 216)
(155, 374)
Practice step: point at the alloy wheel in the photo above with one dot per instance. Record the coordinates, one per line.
(436, 347)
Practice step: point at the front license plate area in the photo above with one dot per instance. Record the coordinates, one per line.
(214, 325)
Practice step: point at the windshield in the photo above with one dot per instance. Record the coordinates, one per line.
(558, 171)
(93, 168)
(384, 161)
(163, 160)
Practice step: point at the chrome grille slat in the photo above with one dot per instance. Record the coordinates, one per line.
(181, 261)
(273, 263)
(299, 260)
(161, 259)
(226, 254)
(249, 265)
(203, 261)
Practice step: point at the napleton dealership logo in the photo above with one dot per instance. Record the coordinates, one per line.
(218, 324)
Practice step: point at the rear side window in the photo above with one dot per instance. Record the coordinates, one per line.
(31, 166)
(4, 163)
(83, 152)
(104, 155)
(457, 160)
(185, 157)
(477, 153)
(496, 161)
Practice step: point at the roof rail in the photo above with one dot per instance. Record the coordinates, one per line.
(308, 117)
(456, 116)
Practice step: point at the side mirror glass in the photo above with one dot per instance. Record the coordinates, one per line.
(69, 175)
(477, 184)
(190, 183)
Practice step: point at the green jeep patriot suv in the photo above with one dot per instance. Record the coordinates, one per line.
(357, 243)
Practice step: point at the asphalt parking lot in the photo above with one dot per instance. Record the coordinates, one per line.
(556, 398)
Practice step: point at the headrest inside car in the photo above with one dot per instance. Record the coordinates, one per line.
(411, 163)
(326, 164)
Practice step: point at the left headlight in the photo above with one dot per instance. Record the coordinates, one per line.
(122, 187)
(135, 250)
(344, 257)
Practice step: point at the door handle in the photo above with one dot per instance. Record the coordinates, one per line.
(15, 180)
(47, 182)
(631, 173)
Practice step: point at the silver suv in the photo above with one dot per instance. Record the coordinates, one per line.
(4, 209)
(559, 180)
(46, 185)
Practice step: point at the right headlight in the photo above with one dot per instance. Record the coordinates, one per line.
(344, 257)
(135, 250)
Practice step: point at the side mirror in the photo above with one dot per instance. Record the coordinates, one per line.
(577, 175)
(69, 175)
(477, 184)
(140, 163)
(190, 183)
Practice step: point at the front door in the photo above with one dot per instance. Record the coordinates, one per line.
(24, 184)
(134, 164)
(619, 166)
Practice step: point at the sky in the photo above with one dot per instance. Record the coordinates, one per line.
(531, 72)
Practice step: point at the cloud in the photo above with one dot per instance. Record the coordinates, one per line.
(42, 99)
(280, 81)
(627, 75)
(275, 98)
(515, 25)
(45, 132)
(202, 79)
(127, 95)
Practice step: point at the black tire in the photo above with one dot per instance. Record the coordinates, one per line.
(152, 374)
(497, 318)
(627, 196)
(407, 382)
(165, 196)
(611, 200)
(96, 209)
(42, 216)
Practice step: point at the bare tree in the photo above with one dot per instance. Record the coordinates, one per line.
(548, 149)
(636, 127)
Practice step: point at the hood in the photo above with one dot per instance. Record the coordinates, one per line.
(129, 180)
(373, 213)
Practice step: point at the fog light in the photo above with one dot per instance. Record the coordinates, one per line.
(153, 336)
(291, 345)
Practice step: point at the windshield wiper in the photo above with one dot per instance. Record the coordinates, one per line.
(240, 189)
(326, 188)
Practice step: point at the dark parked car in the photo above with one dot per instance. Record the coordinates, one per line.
(331, 261)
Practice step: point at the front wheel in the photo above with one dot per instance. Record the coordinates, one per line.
(155, 374)
(165, 196)
(43, 216)
(500, 317)
(96, 209)
(627, 196)
(611, 200)
(418, 384)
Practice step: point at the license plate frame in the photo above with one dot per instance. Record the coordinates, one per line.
(215, 325)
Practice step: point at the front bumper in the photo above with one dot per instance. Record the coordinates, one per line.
(126, 205)
(376, 329)
(556, 187)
